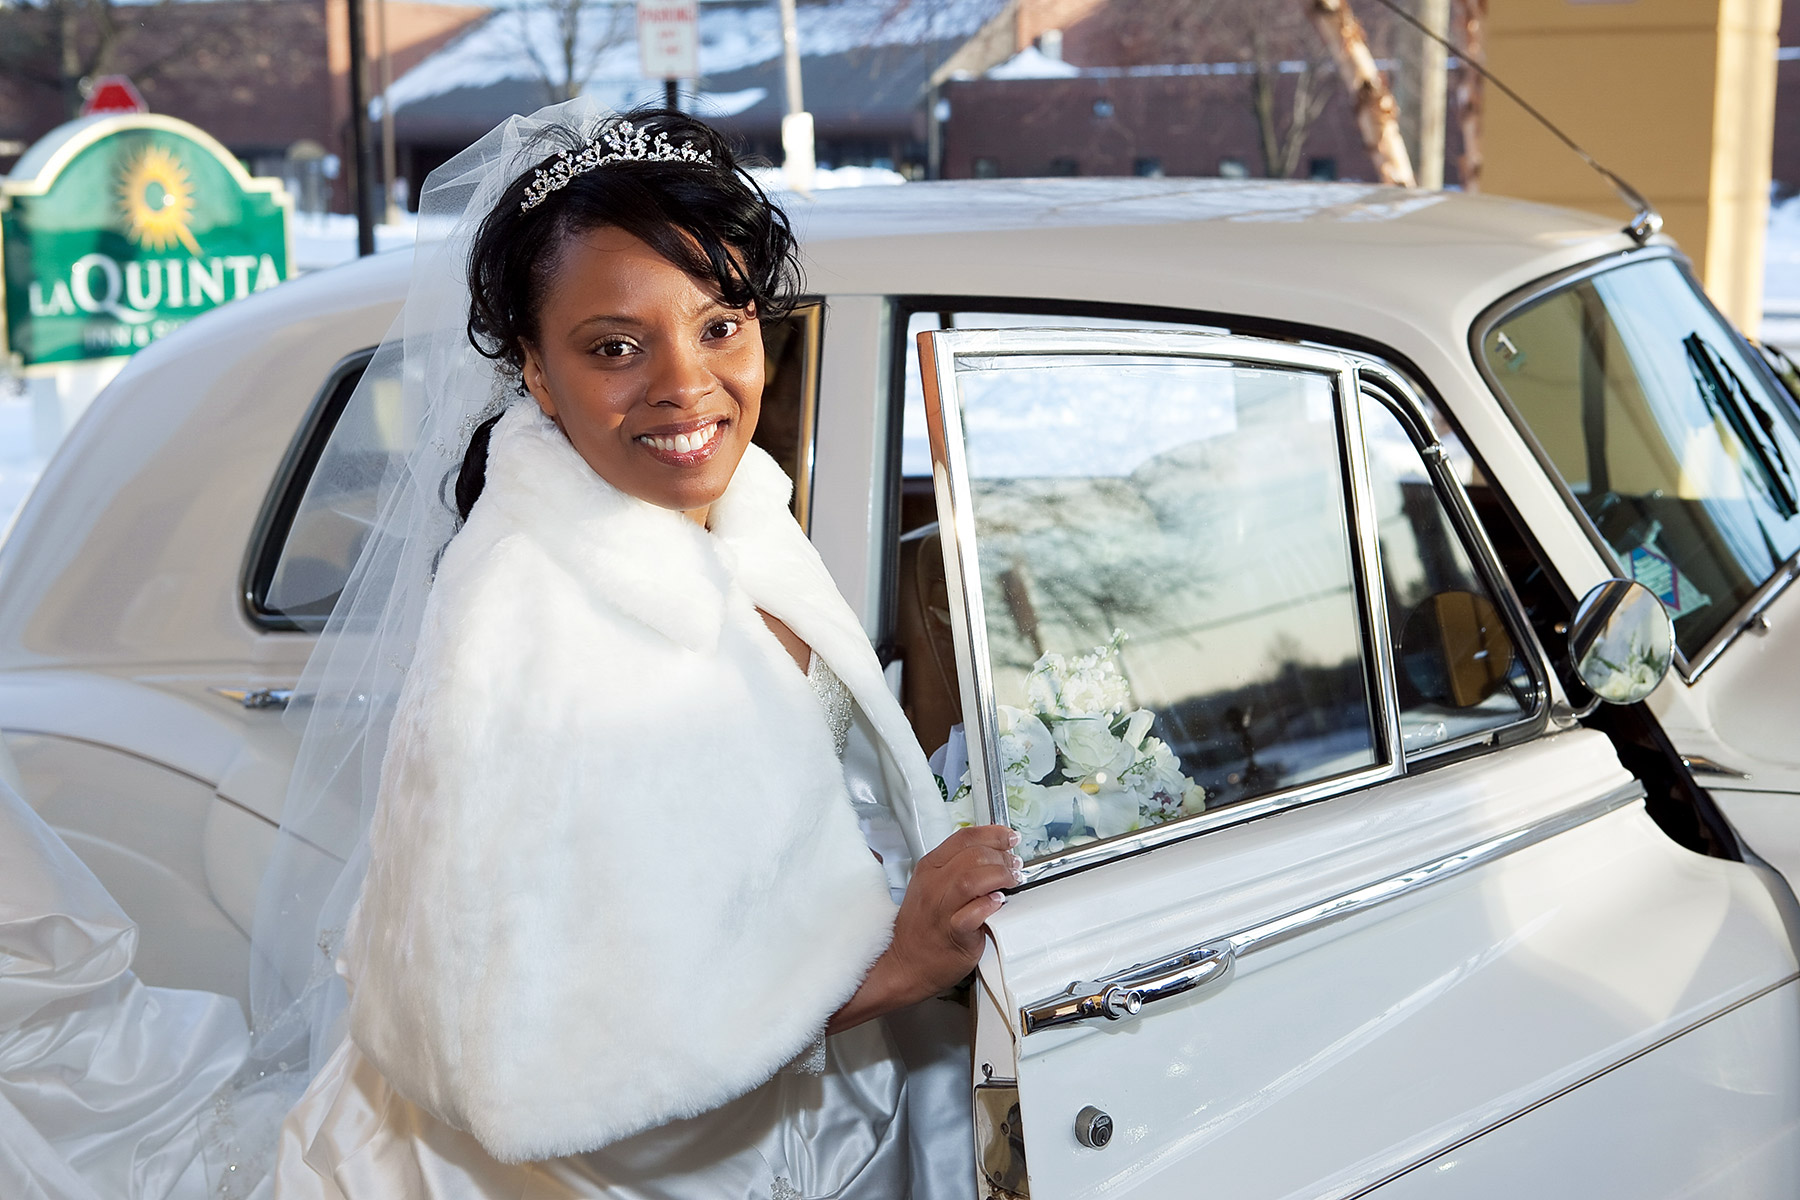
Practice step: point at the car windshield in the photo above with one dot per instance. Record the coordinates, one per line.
(1671, 438)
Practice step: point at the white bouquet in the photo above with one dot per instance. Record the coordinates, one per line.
(1081, 764)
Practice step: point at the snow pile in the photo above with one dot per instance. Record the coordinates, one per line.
(771, 179)
(1032, 63)
(328, 239)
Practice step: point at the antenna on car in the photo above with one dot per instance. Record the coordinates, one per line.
(1645, 222)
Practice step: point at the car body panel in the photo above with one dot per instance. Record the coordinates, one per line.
(1652, 1111)
(1398, 1032)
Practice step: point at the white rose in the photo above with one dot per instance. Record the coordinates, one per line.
(1094, 690)
(1088, 745)
(1027, 751)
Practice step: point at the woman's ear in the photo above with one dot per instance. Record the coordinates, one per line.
(531, 374)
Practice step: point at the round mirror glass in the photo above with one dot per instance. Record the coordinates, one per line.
(1621, 641)
(1454, 649)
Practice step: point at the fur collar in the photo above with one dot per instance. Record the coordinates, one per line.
(615, 877)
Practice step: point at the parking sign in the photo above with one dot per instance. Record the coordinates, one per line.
(668, 38)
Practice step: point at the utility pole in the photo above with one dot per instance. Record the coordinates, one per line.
(388, 165)
(1434, 64)
(361, 171)
(798, 154)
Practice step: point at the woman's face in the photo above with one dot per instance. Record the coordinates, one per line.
(656, 382)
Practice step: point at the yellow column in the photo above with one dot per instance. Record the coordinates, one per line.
(1676, 96)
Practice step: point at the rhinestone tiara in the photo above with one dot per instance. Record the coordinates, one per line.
(620, 141)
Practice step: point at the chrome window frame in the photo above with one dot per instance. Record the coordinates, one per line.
(938, 350)
(1387, 387)
(268, 538)
(1536, 292)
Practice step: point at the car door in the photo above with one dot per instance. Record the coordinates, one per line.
(1317, 896)
(1677, 452)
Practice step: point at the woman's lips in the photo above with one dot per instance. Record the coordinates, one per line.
(686, 448)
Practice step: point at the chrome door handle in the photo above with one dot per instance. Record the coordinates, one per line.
(1125, 994)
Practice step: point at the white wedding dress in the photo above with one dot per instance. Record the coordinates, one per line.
(844, 1121)
(103, 1080)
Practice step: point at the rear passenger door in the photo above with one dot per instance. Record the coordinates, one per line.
(1314, 893)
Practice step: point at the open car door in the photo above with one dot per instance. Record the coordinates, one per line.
(1318, 897)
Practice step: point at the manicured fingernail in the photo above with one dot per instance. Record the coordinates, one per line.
(1015, 862)
(997, 897)
(1018, 877)
(1012, 837)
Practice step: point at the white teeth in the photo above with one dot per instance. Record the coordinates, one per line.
(683, 443)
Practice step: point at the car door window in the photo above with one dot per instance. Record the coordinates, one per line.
(1674, 442)
(1458, 672)
(322, 507)
(1161, 590)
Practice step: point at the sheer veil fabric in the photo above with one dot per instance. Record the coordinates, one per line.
(424, 392)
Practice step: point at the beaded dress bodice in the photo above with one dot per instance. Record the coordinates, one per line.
(834, 699)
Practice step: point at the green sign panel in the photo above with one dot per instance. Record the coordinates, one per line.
(115, 230)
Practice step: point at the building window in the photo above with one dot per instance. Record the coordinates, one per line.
(1233, 168)
(1103, 107)
(987, 168)
(1321, 168)
(1064, 166)
(1147, 168)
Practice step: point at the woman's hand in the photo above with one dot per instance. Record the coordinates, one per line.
(937, 934)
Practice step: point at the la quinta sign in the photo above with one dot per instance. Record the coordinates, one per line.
(116, 229)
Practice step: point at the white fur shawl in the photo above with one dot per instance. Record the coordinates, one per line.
(615, 875)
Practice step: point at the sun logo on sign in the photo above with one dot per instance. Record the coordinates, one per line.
(157, 198)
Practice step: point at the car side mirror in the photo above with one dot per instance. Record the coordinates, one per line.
(1621, 642)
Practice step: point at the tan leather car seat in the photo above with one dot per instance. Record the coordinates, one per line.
(928, 688)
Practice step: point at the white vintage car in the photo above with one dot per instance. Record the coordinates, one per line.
(1245, 525)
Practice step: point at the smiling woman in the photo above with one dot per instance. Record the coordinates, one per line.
(599, 768)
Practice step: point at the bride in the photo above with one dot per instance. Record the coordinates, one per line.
(644, 799)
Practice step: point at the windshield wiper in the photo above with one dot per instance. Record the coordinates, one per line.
(1728, 399)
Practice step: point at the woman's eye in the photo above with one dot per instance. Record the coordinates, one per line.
(614, 348)
(724, 327)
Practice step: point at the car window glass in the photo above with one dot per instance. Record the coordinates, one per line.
(320, 522)
(1171, 617)
(1671, 439)
(1456, 667)
(915, 445)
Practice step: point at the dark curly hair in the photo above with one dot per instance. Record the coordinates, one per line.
(710, 219)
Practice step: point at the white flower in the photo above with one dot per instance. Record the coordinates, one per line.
(962, 805)
(1027, 750)
(1110, 812)
(1136, 726)
(1089, 745)
(1090, 685)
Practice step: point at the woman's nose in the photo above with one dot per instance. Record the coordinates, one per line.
(681, 379)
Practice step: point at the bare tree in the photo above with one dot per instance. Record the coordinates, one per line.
(1270, 42)
(61, 44)
(1282, 138)
(1377, 114)
(565, 39)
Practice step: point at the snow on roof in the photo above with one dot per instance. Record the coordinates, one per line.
(734, 35)
(1032, 63)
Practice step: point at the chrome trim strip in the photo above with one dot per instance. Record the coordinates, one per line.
(1365, 571)
(1516, 302)
(1083, 1001)
(939, 350)
(1768, 989)
(1701, 765)
(1359, 900)
(950, 482)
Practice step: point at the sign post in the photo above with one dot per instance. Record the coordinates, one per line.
(669, 43)
(116, 229)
